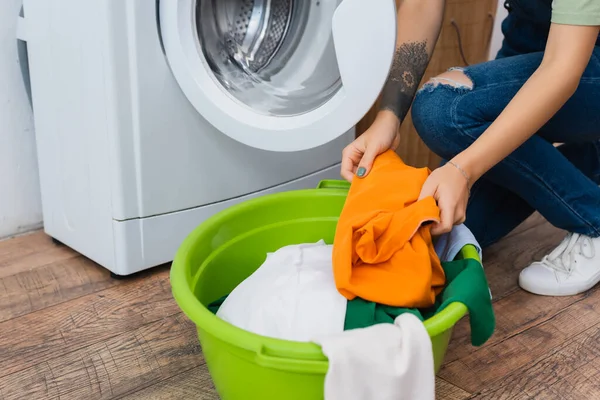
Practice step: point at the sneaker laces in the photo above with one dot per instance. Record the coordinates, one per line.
(562, 259)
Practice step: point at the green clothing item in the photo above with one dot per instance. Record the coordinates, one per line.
(576, 12)
(465, 283)
(215, 305)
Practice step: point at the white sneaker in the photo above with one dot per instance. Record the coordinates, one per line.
(572, 268)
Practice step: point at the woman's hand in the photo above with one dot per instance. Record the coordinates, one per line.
(358, 156)
(450, 188)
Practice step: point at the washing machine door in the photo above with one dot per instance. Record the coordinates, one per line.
(280, 75)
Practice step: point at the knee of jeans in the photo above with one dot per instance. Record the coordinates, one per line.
(454, 78)
(433, 111)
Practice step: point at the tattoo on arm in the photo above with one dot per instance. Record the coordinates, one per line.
(408, 67)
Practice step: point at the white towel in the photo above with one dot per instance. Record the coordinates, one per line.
(381, 362)
(292, 296)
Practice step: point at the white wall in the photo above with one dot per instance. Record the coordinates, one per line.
(20, 205)
(497, 36)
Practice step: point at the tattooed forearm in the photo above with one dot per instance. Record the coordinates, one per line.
(408, 67)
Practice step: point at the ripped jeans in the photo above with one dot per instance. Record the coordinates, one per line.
(559, 182)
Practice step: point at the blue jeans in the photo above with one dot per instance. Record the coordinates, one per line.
(559, 182)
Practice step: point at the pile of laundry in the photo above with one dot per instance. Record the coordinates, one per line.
(364, 298)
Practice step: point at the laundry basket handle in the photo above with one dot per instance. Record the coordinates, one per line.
(334, 184)
(266, 357)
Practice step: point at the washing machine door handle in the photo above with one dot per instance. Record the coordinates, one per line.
(363, 34)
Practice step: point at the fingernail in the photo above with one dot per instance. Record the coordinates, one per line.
(361, 172)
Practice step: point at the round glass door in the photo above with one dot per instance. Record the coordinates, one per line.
(280, 75)
(275, 56)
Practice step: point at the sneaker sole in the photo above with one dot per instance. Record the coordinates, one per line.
(560, 291)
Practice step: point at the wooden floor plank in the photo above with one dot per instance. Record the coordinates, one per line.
(27, 252)
(444, 390)
(535, 220)
(111, 368)
(42, 335)
(504, 261)
(514, 315)
(22, 245)
(503, 396)
(192, 384)
(560, 373)
(492, 363)
(51, 284)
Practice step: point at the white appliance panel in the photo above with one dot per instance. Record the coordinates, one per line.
(181, 160)
(128, 166)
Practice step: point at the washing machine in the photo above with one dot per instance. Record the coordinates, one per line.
(151, 116)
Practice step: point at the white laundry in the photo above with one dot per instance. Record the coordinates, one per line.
(381, 362)
(292, 296)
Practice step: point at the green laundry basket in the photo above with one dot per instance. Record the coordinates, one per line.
(223, 251)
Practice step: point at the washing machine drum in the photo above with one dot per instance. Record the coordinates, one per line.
(282, 75)
(260, 52)
(251, 32)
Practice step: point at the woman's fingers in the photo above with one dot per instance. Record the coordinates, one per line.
(459, 216)
(367, 161)
(354, 154)
(428, 189)
(452, 212)
(349, 162)
(431, 189)
(446, 220)
(346, 172)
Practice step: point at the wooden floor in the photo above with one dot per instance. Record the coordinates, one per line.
(69, 331)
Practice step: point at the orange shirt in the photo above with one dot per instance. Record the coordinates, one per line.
(382, 250)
